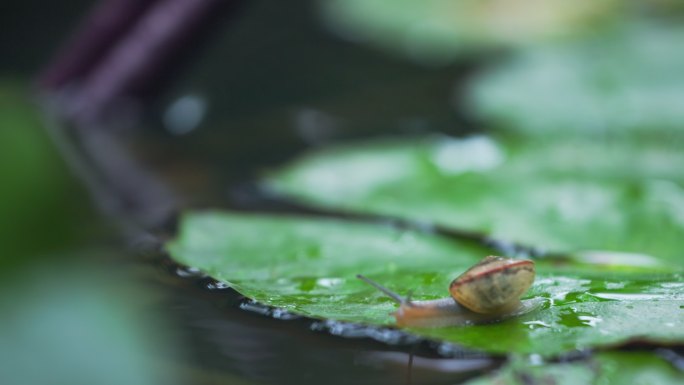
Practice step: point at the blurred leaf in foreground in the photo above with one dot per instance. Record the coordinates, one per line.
(78, 326)
(41, 205)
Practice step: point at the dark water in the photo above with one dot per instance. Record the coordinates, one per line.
(227, 337)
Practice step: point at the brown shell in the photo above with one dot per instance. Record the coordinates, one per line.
(494, 285)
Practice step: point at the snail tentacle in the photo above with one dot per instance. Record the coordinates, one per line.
(399, 299)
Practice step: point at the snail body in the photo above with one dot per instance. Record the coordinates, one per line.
(487, 292)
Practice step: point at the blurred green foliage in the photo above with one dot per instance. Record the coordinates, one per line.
(64, 321)
(440, 31)
(565, 195)
(66, 324)
(624, 83)
(42, 208)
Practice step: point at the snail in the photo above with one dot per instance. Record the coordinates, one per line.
(487, 292)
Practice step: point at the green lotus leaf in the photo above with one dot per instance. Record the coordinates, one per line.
(598, 200)
(307, 265)
(629, 81)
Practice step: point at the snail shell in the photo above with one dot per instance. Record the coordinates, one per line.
(494, 285)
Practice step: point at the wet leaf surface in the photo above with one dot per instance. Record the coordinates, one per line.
(307, 265)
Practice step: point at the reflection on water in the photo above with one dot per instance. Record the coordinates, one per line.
(185, 114)
(572, 318)
(631, 296)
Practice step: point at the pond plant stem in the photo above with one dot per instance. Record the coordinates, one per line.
(118, 60)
